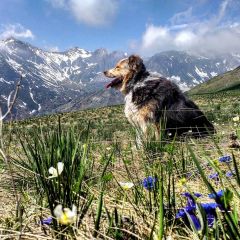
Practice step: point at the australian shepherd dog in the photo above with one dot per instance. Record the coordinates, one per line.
(149, 100)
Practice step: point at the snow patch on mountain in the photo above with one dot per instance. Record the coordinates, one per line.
(31, 94)
(213, 74)
(53, 79)
(176, 78)
(201, 73)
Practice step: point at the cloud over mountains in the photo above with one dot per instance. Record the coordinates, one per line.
(15, 30)
(91, 12)
(214, 35)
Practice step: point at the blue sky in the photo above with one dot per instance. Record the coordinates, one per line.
(141, 26)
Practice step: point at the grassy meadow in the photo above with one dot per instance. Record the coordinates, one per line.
(82, 175)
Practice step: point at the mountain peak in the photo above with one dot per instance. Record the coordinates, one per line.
(11, 40)
(54, 78)
(101, 52)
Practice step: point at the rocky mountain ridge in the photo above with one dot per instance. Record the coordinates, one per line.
(73, 79)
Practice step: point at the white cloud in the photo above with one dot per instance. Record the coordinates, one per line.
(215, 35)
(181, 17)
(91, 12)
(15, 30)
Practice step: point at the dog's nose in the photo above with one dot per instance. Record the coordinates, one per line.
(105, 72)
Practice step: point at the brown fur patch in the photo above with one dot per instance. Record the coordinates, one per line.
(127, 78)
(147, 111)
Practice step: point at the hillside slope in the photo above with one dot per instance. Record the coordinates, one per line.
(225, 82)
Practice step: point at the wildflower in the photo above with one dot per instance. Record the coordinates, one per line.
(210, 210)
(197, 195)
(236, 119)
(190, 211)
(182, 181)
(223, 198)
(214, 176)
(189, 174)
(126, 185)
(149, 182)
(46, 221)
(190, 199)
(229, 174)
(56, 171)
(218, 194)
(65, 216)
(225, 159)
(215, 162)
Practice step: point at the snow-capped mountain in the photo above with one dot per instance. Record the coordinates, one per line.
(62, 81)
(189, 70)
(50, 79)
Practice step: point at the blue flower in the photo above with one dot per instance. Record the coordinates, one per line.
(225, 159)
(218, 194)
(190, 211)
(197, 195)
(210, 210)
(46, 221)
(195, 221)
(190, 199)
(229, 174)
(214, 176)
(209, 207)
(149, 182)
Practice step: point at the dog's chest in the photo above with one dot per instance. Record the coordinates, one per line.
(130, 110)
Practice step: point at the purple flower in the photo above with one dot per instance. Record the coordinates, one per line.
(209, 207)
(210, 210)
(230, 174)
(190, 211)
(218, 194)
(197, 195)
(46, 221)
(195, 221)
(189, 175)
(225, 159)
(149, 182)
(190, 199)
(214, 176)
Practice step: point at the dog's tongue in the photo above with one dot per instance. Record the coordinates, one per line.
(113, 82)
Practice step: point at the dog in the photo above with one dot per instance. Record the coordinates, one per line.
(150, 100)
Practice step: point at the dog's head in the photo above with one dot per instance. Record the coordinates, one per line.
(124, 72)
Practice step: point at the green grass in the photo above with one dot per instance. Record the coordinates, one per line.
(229, 81)
(99, 151)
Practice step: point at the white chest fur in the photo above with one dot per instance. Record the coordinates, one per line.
(131, 110)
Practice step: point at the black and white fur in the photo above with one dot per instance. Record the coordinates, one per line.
(149, 99)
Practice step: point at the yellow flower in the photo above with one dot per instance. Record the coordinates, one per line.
(65, 216)
(215, 162)
(126, 185)
(182, 182)
(56, 171)
(236, 119)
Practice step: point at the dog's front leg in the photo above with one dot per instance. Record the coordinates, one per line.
(141, 133)
(157, 131)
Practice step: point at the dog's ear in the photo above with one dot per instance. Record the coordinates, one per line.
(135, 63)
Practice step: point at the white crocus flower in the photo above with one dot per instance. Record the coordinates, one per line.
(65, 216)
(126, 185)
(236, 119)
(56, 171)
